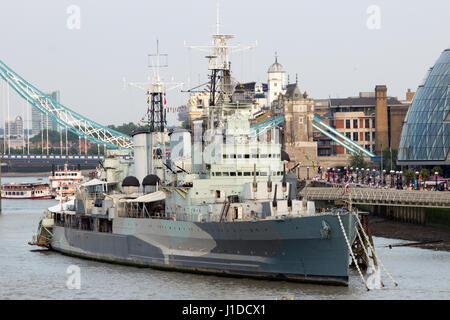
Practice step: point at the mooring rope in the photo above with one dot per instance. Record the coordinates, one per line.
(373, 250)
(367, 255)
(351, 251)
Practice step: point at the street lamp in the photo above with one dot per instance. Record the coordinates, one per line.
(416, 182)
(383, 180)
(391, 178)
(436, 176)
(328, 174)
(401, 179)
(396, 179)
(307, 173)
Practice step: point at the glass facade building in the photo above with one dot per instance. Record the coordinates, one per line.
(425, 138)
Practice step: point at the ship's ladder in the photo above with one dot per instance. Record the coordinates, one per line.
(225, 208)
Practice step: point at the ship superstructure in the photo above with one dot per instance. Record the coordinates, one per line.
(237, 215)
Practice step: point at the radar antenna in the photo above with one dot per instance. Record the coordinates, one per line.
(156, 91)
(221, 84)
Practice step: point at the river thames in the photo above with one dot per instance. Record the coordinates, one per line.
(30, 273)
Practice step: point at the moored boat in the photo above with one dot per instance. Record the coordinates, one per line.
(26, 191)
(64, 182)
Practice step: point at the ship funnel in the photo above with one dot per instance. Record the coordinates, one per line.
(274, 202)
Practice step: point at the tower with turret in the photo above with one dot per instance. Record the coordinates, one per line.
(276, 81)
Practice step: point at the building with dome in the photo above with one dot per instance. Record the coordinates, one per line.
(14, 127)
(425, 139)
(276, 81)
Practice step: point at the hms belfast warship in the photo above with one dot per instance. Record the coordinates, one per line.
(230, 209)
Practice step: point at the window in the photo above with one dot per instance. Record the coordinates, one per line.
(233, 174)
(263, 174)
(347, 124)
(367, 136)
(348, 135)
(367, 147)
(373, 136)
(355, 136)
(218, 174)
(246, 156)
(226, 174)
(239, 173)
(355, 123)
(246, 174)
(373, 123)
(367, 123)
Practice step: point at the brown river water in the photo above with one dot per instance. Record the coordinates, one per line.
(27, 273)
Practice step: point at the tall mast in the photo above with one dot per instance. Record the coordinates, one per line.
(156, 116)
(221, 85)
(155, 89)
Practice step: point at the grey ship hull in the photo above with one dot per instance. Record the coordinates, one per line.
(291, 249)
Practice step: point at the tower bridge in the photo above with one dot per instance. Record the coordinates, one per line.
(63, 116)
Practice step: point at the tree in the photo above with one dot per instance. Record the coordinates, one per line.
(409, 175)
(425, 174)
(357, 161)
(128, 128)
(94, 149)
(387, 155)
(437, 169)
(186, 124)
(53, 136)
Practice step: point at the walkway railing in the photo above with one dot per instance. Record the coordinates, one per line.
(387, 197)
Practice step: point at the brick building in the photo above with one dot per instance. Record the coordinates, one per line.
(373, 120)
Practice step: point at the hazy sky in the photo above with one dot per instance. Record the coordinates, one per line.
(327, 43)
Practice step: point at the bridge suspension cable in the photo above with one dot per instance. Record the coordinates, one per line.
(65, 117)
